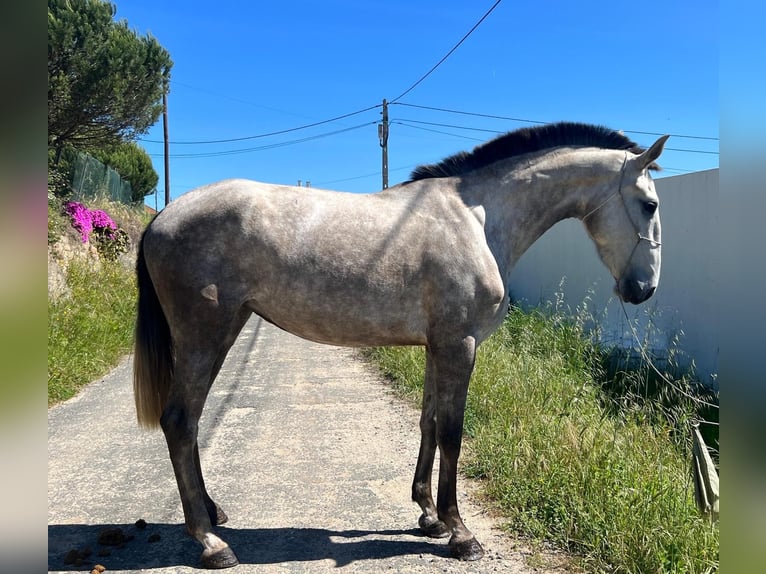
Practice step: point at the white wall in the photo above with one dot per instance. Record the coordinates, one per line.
(685, 302)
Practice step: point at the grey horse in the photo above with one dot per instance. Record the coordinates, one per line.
(426, 262)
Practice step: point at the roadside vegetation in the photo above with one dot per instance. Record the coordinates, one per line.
(90, 331)
(580, 446)
(90, 328)
(105, 89)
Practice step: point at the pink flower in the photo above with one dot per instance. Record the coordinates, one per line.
(86, 221)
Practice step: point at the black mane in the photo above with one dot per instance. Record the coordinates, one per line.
(527, 140)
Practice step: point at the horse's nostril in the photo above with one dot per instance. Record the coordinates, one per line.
(650, 292)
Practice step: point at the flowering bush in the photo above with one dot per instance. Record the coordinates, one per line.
(86, 220)
(95, 225)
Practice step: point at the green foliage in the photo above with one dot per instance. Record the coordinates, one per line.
(59, 179)
(105, 83)
(56, 220)
(134, 165)
(571, 459)
(89, 331)
(110, 245)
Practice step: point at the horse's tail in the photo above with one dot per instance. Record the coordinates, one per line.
(153, 358)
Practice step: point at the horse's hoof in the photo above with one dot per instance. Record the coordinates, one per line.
(433, 528)
(466, 550)
(224, 558)
(220, 516)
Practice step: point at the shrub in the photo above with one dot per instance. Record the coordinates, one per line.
(96, 226)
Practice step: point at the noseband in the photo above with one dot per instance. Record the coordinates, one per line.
(630, 218)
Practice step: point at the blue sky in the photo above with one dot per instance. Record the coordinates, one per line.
(244, 69)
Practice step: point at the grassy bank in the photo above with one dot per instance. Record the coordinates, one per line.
(91, 330)
(602, 470)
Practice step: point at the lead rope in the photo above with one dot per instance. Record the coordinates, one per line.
(705, 476)
(649, 362)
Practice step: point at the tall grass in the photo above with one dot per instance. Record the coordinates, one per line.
(89, 331)
(600, 469)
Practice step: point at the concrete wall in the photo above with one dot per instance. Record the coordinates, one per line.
(685, 304)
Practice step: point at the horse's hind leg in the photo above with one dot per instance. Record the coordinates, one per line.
(216, 513)
(421, 485)
(180, 423)
(198, 359)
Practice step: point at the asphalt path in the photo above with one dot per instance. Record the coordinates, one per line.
(304, 447)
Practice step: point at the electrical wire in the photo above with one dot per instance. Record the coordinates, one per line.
(455, 47)
(407, 125)
(491, 116)
(269, 134)
(528, 121)
(266, 147)
(453, 126)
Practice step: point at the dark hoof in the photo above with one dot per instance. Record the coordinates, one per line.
(466, 550)
(224, 558)
(219, 517)
(433, 528)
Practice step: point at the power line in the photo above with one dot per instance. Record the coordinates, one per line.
(528, 121)
(692, 150)
(491, 116)
(233, 99)
(407, 125)
(280, 132)
(453, 126)
(366, 175)
(440, 62)
(268, 146)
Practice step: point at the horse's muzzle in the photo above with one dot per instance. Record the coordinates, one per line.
(632, 291)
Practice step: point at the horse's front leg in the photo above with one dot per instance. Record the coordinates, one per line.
(421, 485)
(453, 365)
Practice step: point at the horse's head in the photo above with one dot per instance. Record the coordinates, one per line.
(624, 223)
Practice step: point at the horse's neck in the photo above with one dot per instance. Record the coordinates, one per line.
(529, 200)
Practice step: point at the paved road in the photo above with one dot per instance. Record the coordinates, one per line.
(302, 445)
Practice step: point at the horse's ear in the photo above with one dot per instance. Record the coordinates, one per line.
(649, 157)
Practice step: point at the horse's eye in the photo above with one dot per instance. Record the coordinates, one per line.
(650, 207)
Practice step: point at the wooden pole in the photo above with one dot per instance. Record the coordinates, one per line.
(167, 154)
(383, 137)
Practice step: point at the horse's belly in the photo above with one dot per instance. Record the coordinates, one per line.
(354, 322)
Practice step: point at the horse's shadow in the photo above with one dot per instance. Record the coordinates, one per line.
(168, 545)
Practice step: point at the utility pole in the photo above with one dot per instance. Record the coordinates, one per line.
(383, 137)
(167, 158)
